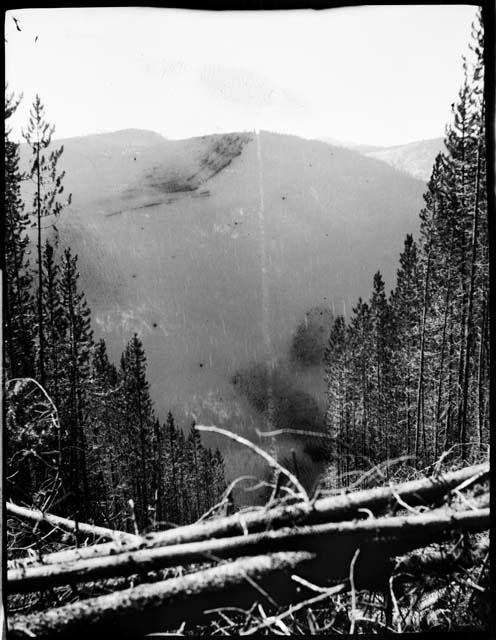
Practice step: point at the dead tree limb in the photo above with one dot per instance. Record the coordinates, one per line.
(262, 453)
(154, 607)
(160, 606)
(330, 509)
(387, 535)
(69, 525)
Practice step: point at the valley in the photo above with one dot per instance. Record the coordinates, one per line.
(216, 250)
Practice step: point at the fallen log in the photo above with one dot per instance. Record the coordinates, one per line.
(70, 525)
(330, 509)
(386, 535)
(164, 605)
(153, 607)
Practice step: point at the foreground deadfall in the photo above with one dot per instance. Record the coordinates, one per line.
(321, 544)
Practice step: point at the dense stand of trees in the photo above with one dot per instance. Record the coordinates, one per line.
(409, 373)
(82, 435)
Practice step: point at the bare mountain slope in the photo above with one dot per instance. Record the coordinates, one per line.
(416, 158)
(219, 251)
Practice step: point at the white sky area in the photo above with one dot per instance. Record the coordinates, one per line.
(379, 75)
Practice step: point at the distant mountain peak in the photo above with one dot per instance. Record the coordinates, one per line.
(414, 158)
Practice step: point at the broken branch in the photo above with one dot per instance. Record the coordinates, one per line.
(329, 509)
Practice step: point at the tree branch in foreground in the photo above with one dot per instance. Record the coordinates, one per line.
(151, 607)
(386, 536)
(69, 525)
(330, 509)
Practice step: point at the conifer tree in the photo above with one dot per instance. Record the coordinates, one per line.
(405, 310)
(219, 478)
(139, 423)
(360, 335)
(158, 489)
(106, 466)
(477, 276)
(337, 380)
(379, 371)
(18, 302)
(194, 446)
(172, 468)
(48, 187)
(54, 322)
(185, 505)
(430, 216)
(78, 342)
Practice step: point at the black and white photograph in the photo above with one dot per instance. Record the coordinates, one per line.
(246, 321)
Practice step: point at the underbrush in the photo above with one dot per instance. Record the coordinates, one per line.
(442, 587)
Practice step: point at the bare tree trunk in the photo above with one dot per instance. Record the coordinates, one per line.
(443, 349)
(150, 607)
(469, 324)
(329, 509)
(408, 402)
(338, 540)
(364, 417)
(10, 339)
(69, 525)
(14, 301)
(40, 269)
(480, 384)
(419, 428)
(449, 437)
(144, 479)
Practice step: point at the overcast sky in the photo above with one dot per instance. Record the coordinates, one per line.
(371, 75)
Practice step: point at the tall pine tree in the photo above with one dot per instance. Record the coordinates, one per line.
(47, 182)
(18, 301)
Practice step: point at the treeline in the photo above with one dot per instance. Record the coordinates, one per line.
(83, 438)
(408, 375)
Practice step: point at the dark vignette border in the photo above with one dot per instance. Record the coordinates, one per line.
(489, 21)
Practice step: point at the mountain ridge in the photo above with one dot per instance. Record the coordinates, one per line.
(141, 137)
(415, 158)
